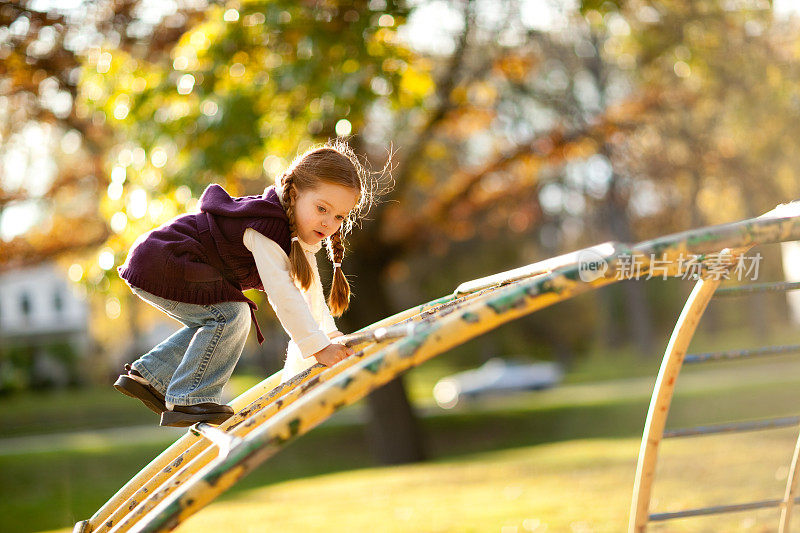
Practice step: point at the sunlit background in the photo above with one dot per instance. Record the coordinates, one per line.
(516, 130)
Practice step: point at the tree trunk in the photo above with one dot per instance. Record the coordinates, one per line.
(757, 311)
(614, 213)
(608, 323)
(393, 432)
(638, 311)
(635, 304)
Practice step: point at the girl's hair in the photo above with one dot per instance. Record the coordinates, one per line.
(335, 163)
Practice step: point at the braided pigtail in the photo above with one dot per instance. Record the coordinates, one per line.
(334, 163)
(300, 269)
(339, 297)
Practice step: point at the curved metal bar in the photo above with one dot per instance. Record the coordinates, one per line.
(790, 494)
(734, 427)
(241, 424)
(661, 399)
(740, 354)
(718, 509)
(484, 313)
(753, 288)
(535, 269)
(101, 518)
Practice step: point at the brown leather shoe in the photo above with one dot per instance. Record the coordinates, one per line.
(147, 394)
(186, 415)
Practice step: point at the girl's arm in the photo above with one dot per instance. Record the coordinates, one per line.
(283, 295)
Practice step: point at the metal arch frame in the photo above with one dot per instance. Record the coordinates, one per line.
(317, 403)
(662, 398)
(158, 502)
(190, 453)
(186, 449)
(663, 392)
(790, 494)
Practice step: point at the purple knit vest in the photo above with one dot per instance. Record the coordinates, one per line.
(200, 258)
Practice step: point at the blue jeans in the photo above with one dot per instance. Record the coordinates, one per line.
(195, 362)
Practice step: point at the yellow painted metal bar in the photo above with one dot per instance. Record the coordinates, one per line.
(409, 313)
(790, 492)
(484, 314)
(240, 425)
(198, 455)
(664, 388)
(184, 461)
(662, 398)
(183, 452)
(471, 288)
(535, 269)
(168, 456)
(102, 519)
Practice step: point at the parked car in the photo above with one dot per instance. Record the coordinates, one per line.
(496, 376)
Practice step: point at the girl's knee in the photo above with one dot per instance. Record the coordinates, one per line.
(238, 315)
(228, 312)
(232, 318)
(241, 309)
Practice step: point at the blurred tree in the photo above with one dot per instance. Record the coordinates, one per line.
(42, 59)
(53, 149)
(719, 149)
(558, 134)
(39, 81)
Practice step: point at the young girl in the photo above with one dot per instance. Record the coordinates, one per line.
(195, 268)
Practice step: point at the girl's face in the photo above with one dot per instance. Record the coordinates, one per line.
(320, 211)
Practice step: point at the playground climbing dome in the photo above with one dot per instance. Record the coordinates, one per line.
(208, 460)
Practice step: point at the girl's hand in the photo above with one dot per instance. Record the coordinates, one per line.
(334, 334)
(332, 354)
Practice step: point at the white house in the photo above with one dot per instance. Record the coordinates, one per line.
(40, 311)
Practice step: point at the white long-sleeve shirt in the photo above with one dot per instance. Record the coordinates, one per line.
(303, 314)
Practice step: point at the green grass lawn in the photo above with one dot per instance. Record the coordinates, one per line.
(578, 485)
(68, 410)
(558, 460)
(564, 458)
